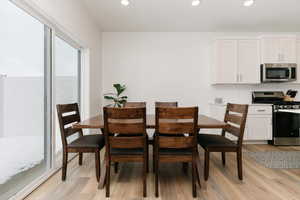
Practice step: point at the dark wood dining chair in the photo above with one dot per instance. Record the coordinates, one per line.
(172, 121)
(131, 105)
(235, 116)
(68, 114)
(165, 104)
(132, 146)
(134, 104)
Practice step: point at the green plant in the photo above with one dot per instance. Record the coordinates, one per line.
(116, 97)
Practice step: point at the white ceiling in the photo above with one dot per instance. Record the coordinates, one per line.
(210, 16)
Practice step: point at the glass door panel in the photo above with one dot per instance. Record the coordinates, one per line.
(23, 139)
(66, 81)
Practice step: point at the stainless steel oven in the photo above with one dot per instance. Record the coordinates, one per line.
(278, 72)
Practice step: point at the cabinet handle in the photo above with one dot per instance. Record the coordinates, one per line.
(261, 110)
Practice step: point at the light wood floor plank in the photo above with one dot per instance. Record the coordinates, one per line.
(259, 183)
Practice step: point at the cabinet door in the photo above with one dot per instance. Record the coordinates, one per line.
(288, 50)
(226, 61)
(270, 50)
(259, 128)
(249, 61)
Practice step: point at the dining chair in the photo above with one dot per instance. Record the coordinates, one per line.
(68, 114)
(171, 104)
(131, 105)
(235, 117)
(132, 146)
(175, 121)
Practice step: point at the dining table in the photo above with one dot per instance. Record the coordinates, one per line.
(97, 122)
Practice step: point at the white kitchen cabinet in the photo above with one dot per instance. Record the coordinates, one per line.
(249, 61)
(288, 50)
(225, 61)
(259, 127)
(236, 61)
(258, 124)
(279, 49)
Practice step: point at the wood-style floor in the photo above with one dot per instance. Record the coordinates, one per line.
(259, 183)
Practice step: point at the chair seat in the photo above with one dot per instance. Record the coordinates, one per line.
(121, 151)
(206, 140)
(165, 151)
(88, 141)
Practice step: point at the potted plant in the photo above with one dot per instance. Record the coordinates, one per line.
(118, 100)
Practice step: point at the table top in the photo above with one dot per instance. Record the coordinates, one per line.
(203, 122)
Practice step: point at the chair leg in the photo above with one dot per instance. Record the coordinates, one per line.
(153, 159)
(147, 159)
(80, 158)
(107, 178)
(145, 168)
(206, 165)
(156, 177)
(64, 166)
(97, 165)
(185, 167)
(116, 164)
(223, 158)
(194, 179)
(239, 164)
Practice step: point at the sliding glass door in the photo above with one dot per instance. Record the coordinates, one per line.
(38, 69)
(24, 153)
(66, 82)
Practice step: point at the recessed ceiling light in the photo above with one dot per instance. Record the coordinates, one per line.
(125, 2)
(196, 2)
(248, 3)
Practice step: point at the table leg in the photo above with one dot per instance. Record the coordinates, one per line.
(198, 168)
(102, 180)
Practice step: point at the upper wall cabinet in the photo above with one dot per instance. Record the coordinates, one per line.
(279, 50)
(236, 61)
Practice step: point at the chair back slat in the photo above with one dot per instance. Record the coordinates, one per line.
(124, 113)
(65, 108)
(175, 142)
(170, 121)
(233, 130)
(126, 128)
(71, 131)
(166, 104)
(126, 142)
(238, 108)
(134, 104)
(175, 113)
(235, 117)
(176, 127)
(69, 119)
(68, 114)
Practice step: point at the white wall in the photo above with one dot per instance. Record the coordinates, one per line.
(75, 19)
(169, 66)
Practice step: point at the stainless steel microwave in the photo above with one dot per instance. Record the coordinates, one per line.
(278, 72)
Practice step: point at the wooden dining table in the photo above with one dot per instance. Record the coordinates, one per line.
(97, 122)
